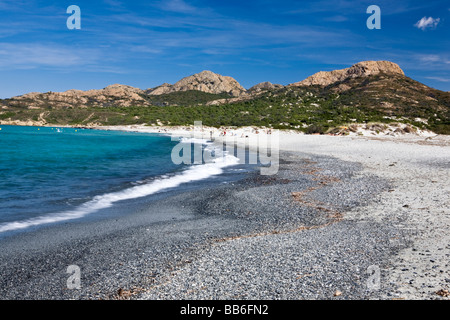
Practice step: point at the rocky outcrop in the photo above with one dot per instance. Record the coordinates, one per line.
(115, 94)
(26, 123)
(264, 86)
(117, 90)
(162, 89)
(361, 69)
(249, 94)
(205, 81)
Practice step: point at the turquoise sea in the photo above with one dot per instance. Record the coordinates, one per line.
(51, 174)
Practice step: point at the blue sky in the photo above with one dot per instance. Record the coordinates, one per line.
(146, 43)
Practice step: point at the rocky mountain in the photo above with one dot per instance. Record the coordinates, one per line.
(248, 95)
(361, 69)
(205, 81)
(199, 88)
(162, 89)
(367, 91)
(115, 94)
(212, 88)
(264, 86)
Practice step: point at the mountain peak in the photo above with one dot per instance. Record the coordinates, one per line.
(264, 86)
(360, 69)
(205, 81)
(206, 73)
(119, 86)
(375, 67)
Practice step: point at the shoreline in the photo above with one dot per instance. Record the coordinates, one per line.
(391, 195)
(136, 253)
(378, 130)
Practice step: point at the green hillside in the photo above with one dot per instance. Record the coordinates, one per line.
(378, 98)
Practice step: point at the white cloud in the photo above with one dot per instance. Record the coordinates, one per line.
(337, 18)
(430, 58)
(179, 6)
(433, 58)
(425, 23)
(31, 55)
(440, 79)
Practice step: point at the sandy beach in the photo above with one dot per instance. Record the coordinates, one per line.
(345, 217)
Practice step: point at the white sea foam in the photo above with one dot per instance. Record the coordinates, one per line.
(195, 140)
(193, 173)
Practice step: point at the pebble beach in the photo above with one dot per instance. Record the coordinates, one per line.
(345, 217)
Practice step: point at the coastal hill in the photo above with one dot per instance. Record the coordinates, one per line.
(215, 88)
(369, 91)
(115, 94)
(264, 86)
(361, 69)
(205, 81)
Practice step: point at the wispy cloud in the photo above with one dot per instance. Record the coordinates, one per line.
(427, 23)
(115, 5)
(337, 18)
(30, 55)
(12, 5)
(145, 49)
(179, 6)
(283, 36)
(351, 7)
(433, 58)
(440, 79)
(218, 34)
(429, 58)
